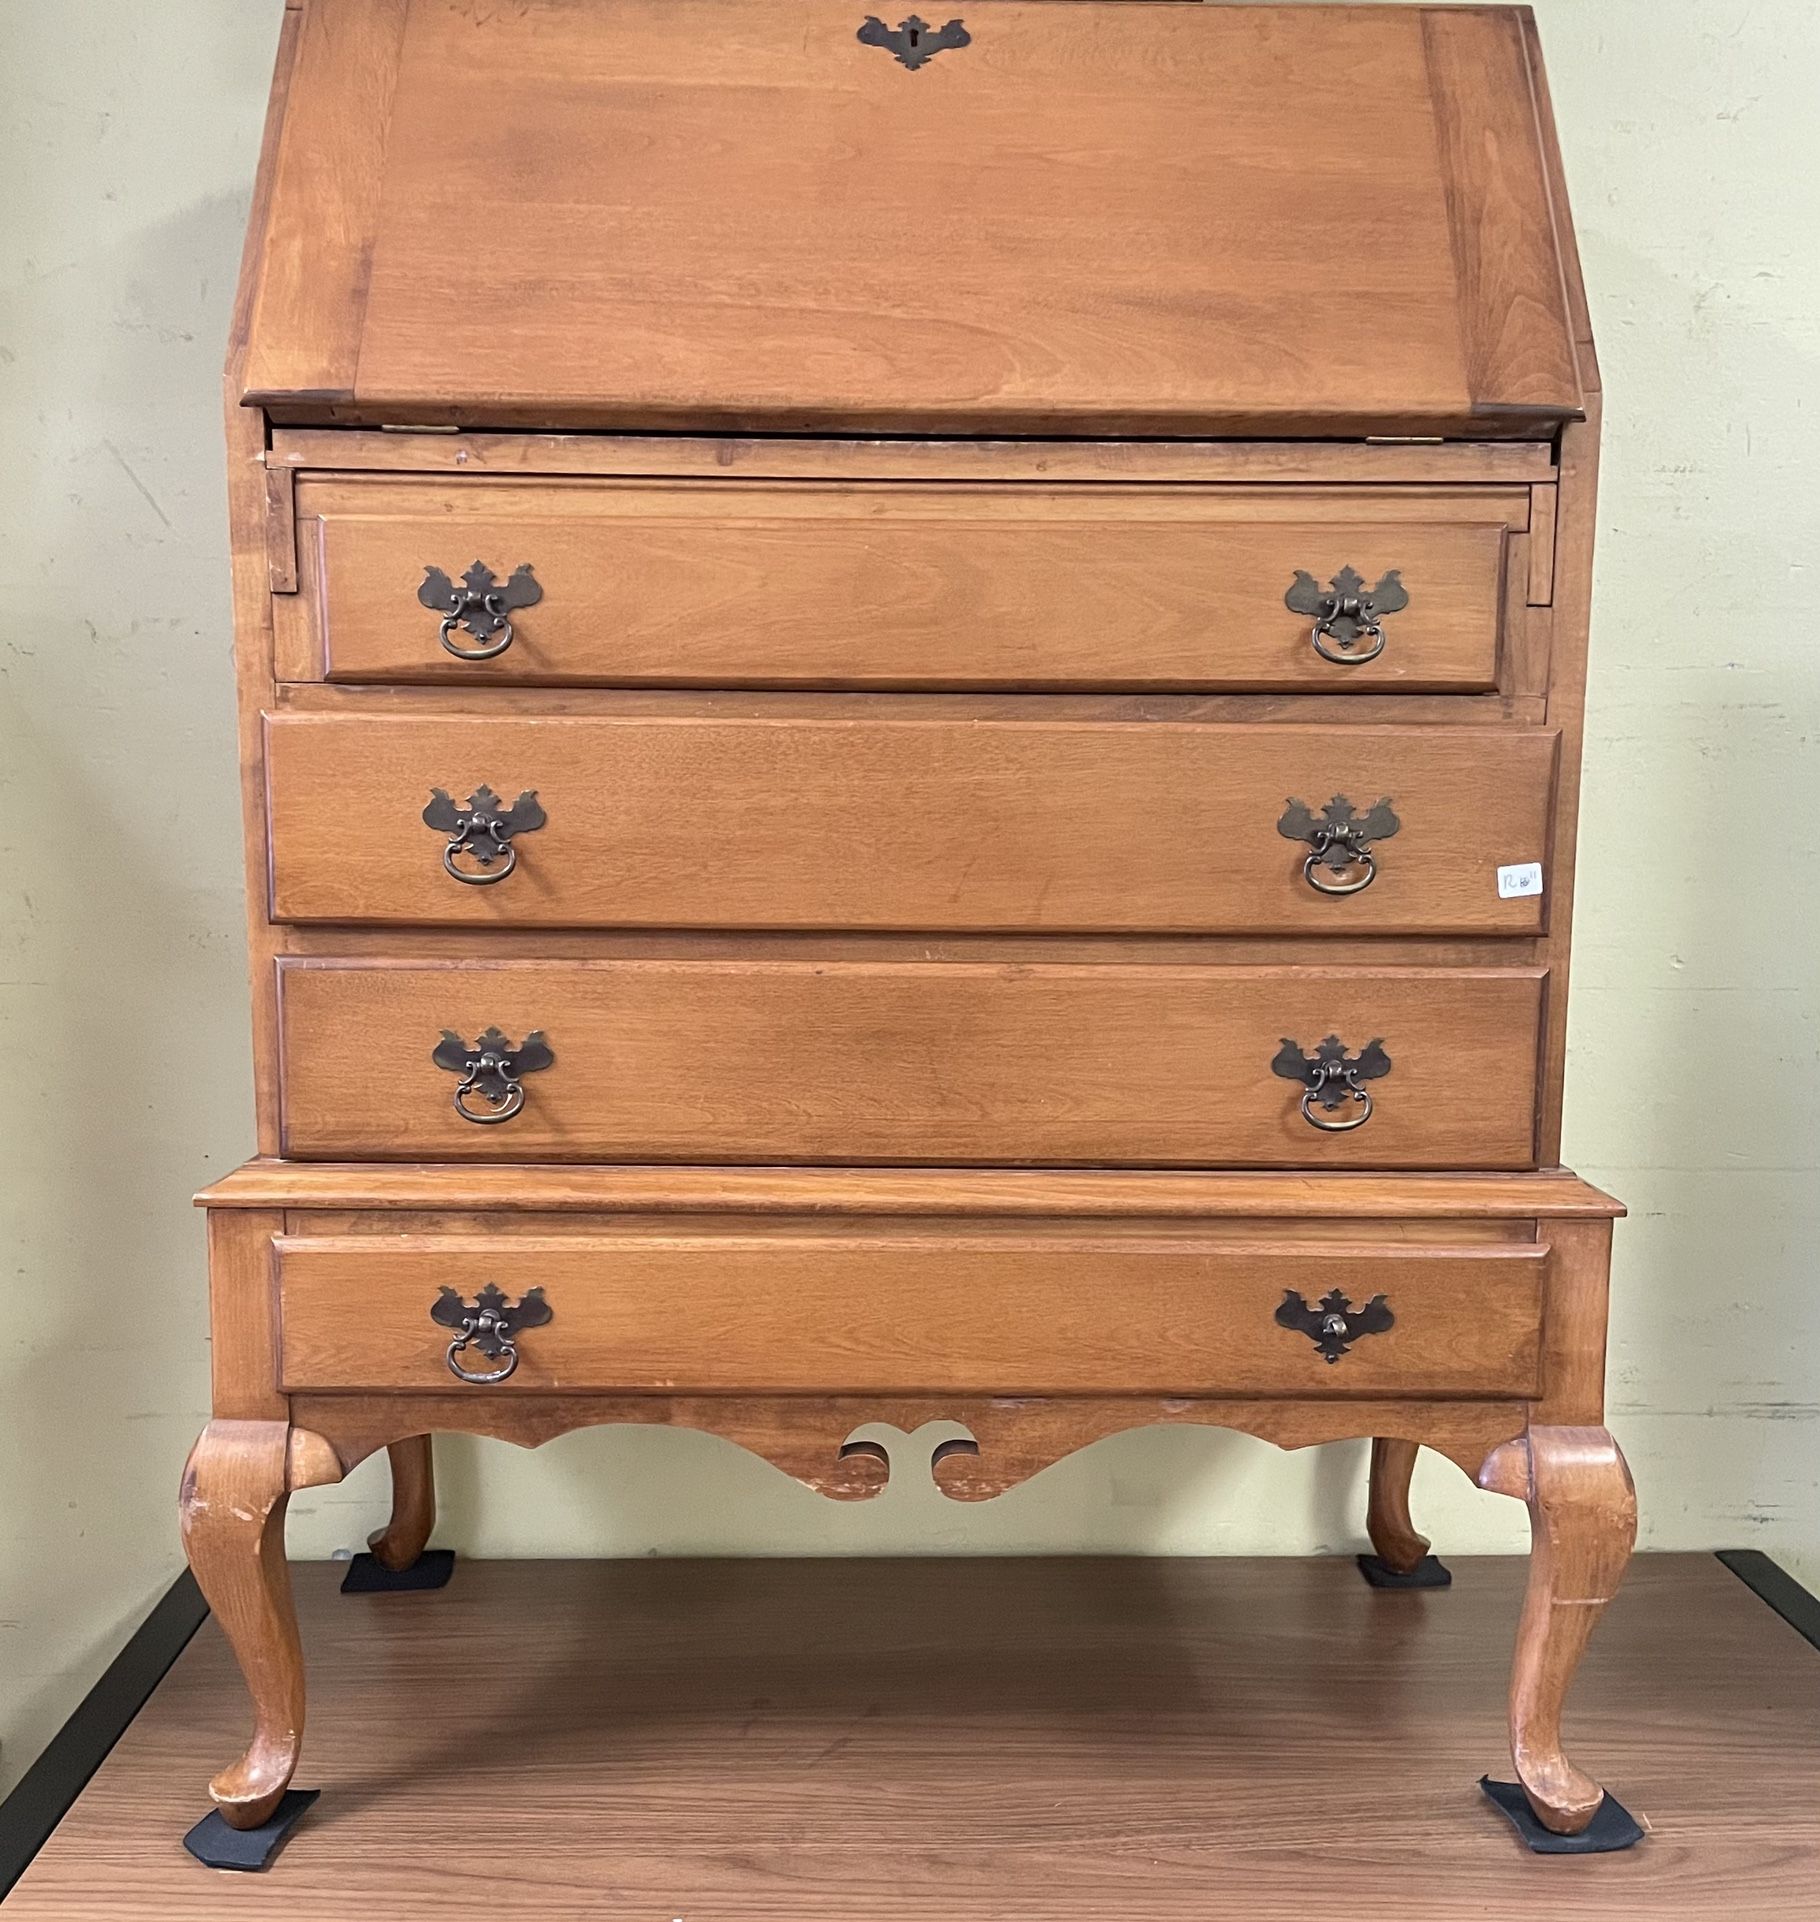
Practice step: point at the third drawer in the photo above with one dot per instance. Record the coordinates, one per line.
(908, 1061)
(921, 824)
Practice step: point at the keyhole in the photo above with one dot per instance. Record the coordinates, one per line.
(916, 35)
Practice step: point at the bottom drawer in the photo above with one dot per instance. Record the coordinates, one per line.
(983, 1308)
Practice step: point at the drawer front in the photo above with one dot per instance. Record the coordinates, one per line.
(756, 584)
(918, 824)
(1016, 1312)
(749, 1061)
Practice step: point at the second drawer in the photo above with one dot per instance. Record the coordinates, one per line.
(936, 1062)
(926, 824)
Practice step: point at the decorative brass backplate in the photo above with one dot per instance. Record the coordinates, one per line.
(913, 41)
(1341, 840)
(1330, 1077)
(1346, 614)
(492, 1069)
(482, 605)
(1335, 1324)
(482, 830)
(491, 1324)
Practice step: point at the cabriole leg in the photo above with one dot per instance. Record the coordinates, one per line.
(398, 1545)
(232, 1507)
(1393, 1535)
(1583, 1522)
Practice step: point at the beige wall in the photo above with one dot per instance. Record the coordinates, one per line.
(1695, 1086)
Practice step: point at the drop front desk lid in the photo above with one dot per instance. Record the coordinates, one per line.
(1133, 217)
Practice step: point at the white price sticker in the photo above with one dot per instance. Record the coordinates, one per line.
(1524, 878)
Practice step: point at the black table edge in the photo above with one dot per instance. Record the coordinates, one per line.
(1799, 1607)
(47, 1790)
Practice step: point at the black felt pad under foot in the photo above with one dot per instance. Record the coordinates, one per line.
(366, 1576)
(1427, 1573)
(1612, 1827)
(216, 1846)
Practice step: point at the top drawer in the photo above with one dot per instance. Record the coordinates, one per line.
(790, 584)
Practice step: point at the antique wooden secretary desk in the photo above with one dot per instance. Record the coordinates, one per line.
(911, 704)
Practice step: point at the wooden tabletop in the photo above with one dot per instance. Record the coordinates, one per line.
(953, 1740)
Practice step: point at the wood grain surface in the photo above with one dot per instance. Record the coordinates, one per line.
(231, 1509)
(940, 1062)
(1033, 1740)
(385, 1188)
(1044, 1310)
(401, 1541)
(1583, 1522)
(854, 457)
(733, 583)
(915, 824)
(1102, 219)
(1394, 1537)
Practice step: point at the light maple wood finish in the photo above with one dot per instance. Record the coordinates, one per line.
(250, 516)
(1512, 707)
(1094, 221)
(1515, 333)
(1135, 1230)
(899, 1062)
(659, 273)
(304, 290)
(1574, 1324)
(384, 1188)
(1583, 1522)
(864, 585)
(935, 824)
(1569, 621)
(794, 1309)
(401, 1541)
(816, 1439)
(243, 1314)
(1393, 1534)
(235, 1487)
(801, 457)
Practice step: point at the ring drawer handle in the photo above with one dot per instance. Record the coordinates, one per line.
(491, 1324)
(1330, 1077)
(1346, 614)
(493, 1069)
(482, 604)
(1333, 1325)
(1341, 842)
(482, 831)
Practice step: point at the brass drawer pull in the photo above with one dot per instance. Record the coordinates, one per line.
(1341, 841)
(482, 830)
(491, 1324)
(481, 604)
(1334, 1325)
(492, 1069)
(1330, 1078)
(1345, 614)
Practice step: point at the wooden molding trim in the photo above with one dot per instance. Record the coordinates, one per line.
(1548, 1194)
(783, 457)
(815, 1440)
